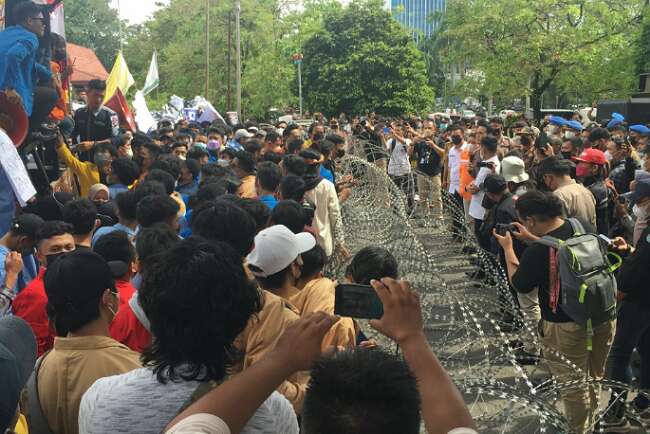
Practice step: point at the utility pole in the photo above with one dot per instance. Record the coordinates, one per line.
(229, 73)
(238, 68)
(297, 59)
(207, 50)
(119, 21)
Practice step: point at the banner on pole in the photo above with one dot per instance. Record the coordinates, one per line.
(152, 80)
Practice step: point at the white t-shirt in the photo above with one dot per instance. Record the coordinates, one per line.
(136, 402)
(476, 210)
(204, 423)
(454, 157)
(399, 163)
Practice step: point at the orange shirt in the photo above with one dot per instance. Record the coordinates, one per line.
(465, 178)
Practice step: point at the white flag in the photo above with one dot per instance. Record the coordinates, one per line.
(143, 117)
(152, 80)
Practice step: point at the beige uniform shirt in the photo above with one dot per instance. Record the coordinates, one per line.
(72, 366)
(247, 188)
(577, 202)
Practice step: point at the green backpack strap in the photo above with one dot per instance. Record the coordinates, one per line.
(577, 227)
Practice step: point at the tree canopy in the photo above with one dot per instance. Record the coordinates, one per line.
(362, 61)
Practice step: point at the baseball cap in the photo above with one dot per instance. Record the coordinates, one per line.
(494, 184)
(27, 224)
(17, 359)
(513, 169)
(78, 277)
(311, 156)
(641, 191)
(242, 133)
(276, 248)
(592, 156)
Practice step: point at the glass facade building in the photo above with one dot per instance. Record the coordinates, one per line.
(422, 17)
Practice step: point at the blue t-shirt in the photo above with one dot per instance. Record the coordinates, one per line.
(269, 201)
(108, 229)
(327, 174)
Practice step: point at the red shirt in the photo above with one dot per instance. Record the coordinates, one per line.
(125, 291)
(30, 304)
(127, 329)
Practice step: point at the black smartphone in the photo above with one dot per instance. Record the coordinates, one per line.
(502, 228)
(357, 301)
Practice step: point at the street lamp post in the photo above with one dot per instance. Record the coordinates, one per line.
(297, 59)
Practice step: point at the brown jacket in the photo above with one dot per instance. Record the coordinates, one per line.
(247, 188)
(72, 366)
(261, 335)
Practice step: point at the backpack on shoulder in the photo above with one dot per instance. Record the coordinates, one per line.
(585, 270)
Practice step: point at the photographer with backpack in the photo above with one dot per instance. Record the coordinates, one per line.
(577, 293)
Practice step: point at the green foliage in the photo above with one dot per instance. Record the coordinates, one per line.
(642, 47)
(93, 24)
(579, 46)
(362, 61)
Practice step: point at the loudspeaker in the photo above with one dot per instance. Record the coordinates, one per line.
(15, 120)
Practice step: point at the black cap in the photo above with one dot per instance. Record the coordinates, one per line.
(78, 277)
(17, 359)
(27, 224)
(554, 164)
(494, 184)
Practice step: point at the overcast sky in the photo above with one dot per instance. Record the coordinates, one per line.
(137, 11)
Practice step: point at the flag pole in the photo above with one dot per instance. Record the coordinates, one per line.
(207, 50)
(119, 20)
(238, 43)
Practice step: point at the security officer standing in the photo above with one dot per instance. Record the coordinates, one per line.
(95, 123)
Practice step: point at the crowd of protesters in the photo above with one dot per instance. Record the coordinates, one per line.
(174, 281)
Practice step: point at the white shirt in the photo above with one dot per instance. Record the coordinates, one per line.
(476, 210)
(399, 163)
(204, 423)
(327, 216)
(454, 167)
(136, 402)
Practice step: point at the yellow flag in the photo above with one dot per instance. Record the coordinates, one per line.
(120, 77)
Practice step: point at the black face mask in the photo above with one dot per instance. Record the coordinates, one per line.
(340, 153)
(456, 140)
(566, 155)
(318, 137)
(50, 259)
(525, 141)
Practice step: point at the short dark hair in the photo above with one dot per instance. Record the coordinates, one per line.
(539, 204)
(153, 149)
(372, 263)
(313, 261)
(293, 187)
(153, 241)
(125, 170)
(53, 228)
(156, 209)
(273, 157)
(115, 246)
(246, 161)
(455, 127)
(294, 165)
(255, 208)
(193, 166)
(271, 136)
(197, 153)
(106, 147)
(81, 214)
(269, 175)
(168, 163)
(25, 10)
(192, 281)
(361, 391)
(598, 133)
(294, 146)
(253, 146)
(274, 281)
(290, 214)
(127, 205)
(554, 165)
(163, 177)
(224, 221)
(97, 84)
(490, 143)
(148, 188)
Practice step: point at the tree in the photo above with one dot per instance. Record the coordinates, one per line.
(642, 48)
(522, 46)
(94, 24)
(362, 61)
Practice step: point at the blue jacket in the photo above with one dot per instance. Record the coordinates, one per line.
(18, 67)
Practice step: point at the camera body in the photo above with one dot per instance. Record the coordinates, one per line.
(502, 228)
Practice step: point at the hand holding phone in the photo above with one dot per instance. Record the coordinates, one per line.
(402, 318)
(357, 301)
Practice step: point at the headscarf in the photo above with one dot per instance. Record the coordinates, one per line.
(96, 188)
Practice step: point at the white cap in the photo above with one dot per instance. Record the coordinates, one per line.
(242, 133)
(276, 248)
(513, 169)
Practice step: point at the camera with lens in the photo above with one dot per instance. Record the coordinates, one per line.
(502, 228)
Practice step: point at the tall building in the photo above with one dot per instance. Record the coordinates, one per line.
(422, 17)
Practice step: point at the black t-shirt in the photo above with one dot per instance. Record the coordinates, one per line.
(427, 159)
(533, 272)
(635, 273)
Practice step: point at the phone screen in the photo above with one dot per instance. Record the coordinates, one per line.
(386, 130)
(357, 301)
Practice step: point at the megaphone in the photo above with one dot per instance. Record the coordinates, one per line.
(13, 119)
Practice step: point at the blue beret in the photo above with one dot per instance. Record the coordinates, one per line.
(575, 125)
(618, 116)
(613, 123)
(557, 120)
(641, 129)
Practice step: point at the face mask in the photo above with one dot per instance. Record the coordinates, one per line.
(582, 171)
(456, 140)
(569, 134)
(443, 127)
(200, 145)
(566, 155)
(49, 259)
(214, 145)
(223, 163)
(318, 137)
(639, 212)
(182, 157)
